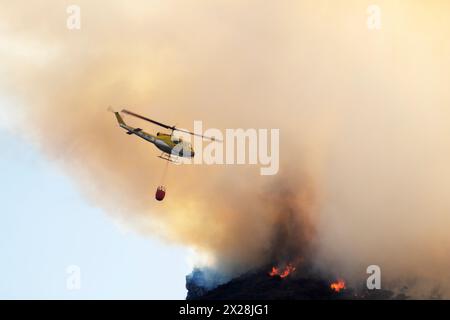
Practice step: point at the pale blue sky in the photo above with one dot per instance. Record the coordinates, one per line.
(46, 226)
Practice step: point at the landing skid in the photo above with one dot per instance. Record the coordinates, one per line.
(168, 157)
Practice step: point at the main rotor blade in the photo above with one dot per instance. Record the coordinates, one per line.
(148, 119)
(173, 128)
(198, 135)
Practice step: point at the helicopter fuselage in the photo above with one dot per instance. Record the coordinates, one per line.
(163, 141)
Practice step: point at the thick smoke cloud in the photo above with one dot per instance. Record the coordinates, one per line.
(363, 118)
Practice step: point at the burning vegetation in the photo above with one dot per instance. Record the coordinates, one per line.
(338, 285)
(305, 284)
(282, 272)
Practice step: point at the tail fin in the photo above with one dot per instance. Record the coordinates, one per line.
(119, 119)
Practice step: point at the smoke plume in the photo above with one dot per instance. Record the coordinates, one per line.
(363, 118)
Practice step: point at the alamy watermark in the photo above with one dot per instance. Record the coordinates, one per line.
(234, 147)
(374, 17)
(73, 280)
(374, 280)
(73, 21)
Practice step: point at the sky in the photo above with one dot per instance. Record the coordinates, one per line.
(46, 227)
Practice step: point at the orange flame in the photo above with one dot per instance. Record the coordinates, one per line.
(338, 285)
(282, 273)
(275, 271)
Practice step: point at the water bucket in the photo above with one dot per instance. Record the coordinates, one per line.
(160, 193)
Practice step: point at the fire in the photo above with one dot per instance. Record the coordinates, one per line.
(338, 285)
(282, 273)
(275, 271)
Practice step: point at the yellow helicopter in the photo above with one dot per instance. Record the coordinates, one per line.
(170, 145)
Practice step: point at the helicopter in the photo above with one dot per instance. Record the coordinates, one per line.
(171, 146)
